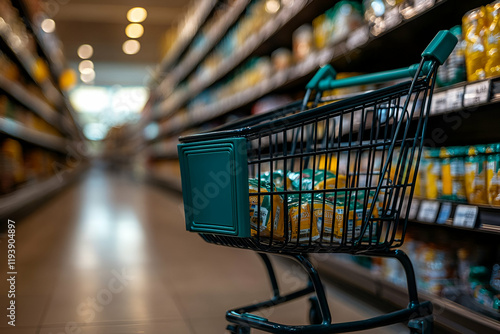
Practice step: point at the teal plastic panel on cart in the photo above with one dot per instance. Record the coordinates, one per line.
(215, 186)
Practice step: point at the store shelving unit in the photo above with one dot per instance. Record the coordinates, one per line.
(191, 26)
(294, 78)
(50, 104)
(23, 133)
(22, 200)
(366, 49)
(193, 58)
(35, 104)
(448, 314)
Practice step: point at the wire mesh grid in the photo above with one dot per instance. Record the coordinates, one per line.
(333, 178)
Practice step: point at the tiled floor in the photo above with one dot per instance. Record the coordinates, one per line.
(110, 255)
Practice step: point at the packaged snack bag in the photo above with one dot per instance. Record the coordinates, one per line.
(355, 216)
(301, 219)
(324, 215)
(278, 178)
(271, 215)
(321, 180)
(315, 217)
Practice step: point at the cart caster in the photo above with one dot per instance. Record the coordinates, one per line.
(422, 325)
(315, 317)
(236, 329)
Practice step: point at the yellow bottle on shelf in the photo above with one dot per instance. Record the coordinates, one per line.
(474, 27)
(475, 175)
(493, 175)
(434, 186)
(492, 39)
(453, 173)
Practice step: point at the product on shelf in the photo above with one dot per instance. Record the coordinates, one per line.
(11, 165)
(453, 174)
(435, 267)
(474, 29)
(492, 40)
(433, 181)
(8, 69)
(453, 69)
(493, 175)
(346, 17)
(482, 292)
(462, 174)
(374, 10)
(302, 42)
(481, 28)
(475, 175)
(281, 59)
(322, 28)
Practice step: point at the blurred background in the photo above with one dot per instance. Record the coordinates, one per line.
(95, 94)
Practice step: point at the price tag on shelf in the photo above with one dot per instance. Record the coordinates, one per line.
(413, 209)
(428, 211)
(454, 98)
(444, 213)
(392, 18)
(465, 216)
(477, 93)
(439, 103)
(358, 37)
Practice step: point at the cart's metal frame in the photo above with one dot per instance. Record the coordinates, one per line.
(235, 232)
(419, 314)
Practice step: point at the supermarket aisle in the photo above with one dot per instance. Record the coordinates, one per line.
(110, 255)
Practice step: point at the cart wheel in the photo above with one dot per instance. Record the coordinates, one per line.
(235, 329)
(315, 317)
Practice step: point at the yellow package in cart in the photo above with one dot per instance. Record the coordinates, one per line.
(328, 217)
(355, 217)
(301, 219)
(271, 215)
(314, 218)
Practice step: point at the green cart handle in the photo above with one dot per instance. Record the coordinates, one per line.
(437, 51)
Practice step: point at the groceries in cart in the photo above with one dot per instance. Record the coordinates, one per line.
(308, 216)
(266, 212)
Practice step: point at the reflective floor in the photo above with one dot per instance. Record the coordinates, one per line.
(110, 255)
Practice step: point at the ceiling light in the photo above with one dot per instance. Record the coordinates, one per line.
(85, 51)
(131, 47)
(88, 75)
(85, 64)
(87, 71)
(48, 25)
(272, 6)
(137, 14)
(134, 30)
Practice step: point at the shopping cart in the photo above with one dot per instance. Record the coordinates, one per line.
(318, 177)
